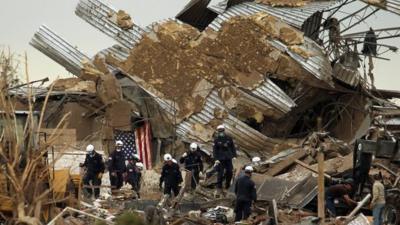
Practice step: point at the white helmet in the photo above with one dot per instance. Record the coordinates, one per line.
(221, 127)
(89, 148)
(256, 159)
(167, 157)
(193, 147)
(119, 143)
(174, 161)
(139, 165)
(248, 169)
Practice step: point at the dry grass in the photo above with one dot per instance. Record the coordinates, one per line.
(25, 166)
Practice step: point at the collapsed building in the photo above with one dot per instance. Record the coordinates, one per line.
(271, 71)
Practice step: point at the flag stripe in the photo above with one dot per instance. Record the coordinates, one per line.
(143, 137)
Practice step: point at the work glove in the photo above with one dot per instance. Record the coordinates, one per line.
(234, 158)
(100, 175)
(184, 155)
(217, 162)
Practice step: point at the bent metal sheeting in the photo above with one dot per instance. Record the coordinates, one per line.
(247, 139)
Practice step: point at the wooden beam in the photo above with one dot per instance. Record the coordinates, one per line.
(285, 164)
(321, 186)
(311, 169)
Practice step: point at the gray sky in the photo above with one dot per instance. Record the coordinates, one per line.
(19, 19)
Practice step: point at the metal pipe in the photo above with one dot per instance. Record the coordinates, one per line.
(359, 206)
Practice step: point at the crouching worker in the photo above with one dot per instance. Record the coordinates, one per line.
(339, 191)
(134, 175)
(246, 195)
(192, 161)
(94, 165)
(171, 176)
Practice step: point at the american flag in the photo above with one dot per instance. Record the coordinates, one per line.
(128, 138)
(143, 140)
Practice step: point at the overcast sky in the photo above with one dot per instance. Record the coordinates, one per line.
(19, 19)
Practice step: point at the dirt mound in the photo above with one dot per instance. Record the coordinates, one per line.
(176, 59)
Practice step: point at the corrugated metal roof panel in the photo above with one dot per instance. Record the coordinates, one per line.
(390, 5)
(55, 47)
(246, 137)
(347, 75)
(97, 14)
(117, 51)
(294, 16)
(270, 94)
(317, 64)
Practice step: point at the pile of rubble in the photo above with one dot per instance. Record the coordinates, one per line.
(284, 83)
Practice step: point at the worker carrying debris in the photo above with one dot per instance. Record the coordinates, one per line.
(134, 174)
(171, 176)
(117, 166)
(94, 165)
(192, 161)
(246, 194)
(378, 199)
(339, 191)
(224, 152)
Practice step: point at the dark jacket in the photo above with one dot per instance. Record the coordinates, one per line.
(224, 148)
(192, 161)
(117, 162)
(245, 189)
(337, 191)
(132, 172)
(94, 163)
(171, 175)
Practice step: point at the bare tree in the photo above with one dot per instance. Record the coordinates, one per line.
(24, 158)
(9, 68)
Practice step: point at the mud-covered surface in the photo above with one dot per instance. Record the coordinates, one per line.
(177, 60)
(284, 3)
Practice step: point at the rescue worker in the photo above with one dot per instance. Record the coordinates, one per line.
(171, 176)
(224, 152)
(246, 194)
(378, 199)
(192, 161)
(339, 191)
(256, 161)
(94, 165)
(134, 175)
(117, 166)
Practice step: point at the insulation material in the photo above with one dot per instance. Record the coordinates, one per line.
(176, 59)
(204, 132)
(284, 3)
(378, 3)
(300, 51)
(89, 72)
(75, 84)
(122, 19)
